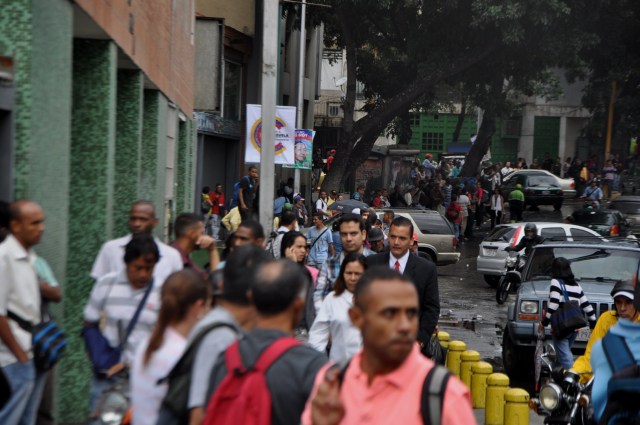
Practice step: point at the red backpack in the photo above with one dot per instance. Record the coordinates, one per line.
(243, 396)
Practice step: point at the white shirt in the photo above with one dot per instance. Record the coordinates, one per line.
(496, 205)
(333, 321)
(321, 205)
(402, 260)
(463, 201)
(19, 292)
(146, 393)
(111, 259)
(506, 170)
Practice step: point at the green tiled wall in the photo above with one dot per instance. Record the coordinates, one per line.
(91, 199)
(185, 177)
(128, 146)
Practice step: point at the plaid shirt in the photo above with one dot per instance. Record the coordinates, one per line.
(328, 275)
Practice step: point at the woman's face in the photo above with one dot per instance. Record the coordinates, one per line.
(352, 273)
(300, 152)
(300, 248)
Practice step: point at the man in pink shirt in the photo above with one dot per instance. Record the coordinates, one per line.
(383, 383)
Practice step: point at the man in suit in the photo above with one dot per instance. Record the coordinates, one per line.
(422, 273)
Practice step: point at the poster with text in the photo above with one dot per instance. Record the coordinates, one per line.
(303, 149)
(285, 125)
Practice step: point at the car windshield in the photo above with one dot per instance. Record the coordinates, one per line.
(501, 234)
(588, 263)
(594, 217)
(626, 207)
(432, 223)
(542, 181)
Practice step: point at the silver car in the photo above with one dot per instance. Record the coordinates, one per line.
(491, 257)
(567, 185)
(629, 206)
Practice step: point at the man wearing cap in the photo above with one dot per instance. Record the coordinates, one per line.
(299, 209)
(626, 329)
(623, 296)
(429, 168)
(376, 240)
(516, 204)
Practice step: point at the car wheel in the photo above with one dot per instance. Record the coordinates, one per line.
(491, 280)
(517, 361)
(427, 256)
(557, 206)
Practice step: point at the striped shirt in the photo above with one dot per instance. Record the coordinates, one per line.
(574, 292)
(114, 295)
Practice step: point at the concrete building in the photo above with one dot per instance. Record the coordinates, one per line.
(100, 117)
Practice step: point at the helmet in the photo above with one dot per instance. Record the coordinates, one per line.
(428, 155)
(623, 288)
(518, 186)
(528, 228)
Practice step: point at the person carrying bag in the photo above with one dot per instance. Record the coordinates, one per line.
(567, 303)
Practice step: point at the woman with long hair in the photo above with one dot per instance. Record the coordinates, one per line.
(333, 322)
(184, 300)
(496, 205)
(564, 286)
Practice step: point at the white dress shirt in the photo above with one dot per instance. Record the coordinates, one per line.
(110, 259)
(333, 322)
(402, 260)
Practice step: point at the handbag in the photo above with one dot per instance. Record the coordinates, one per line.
(48, 341)
(102, 355)
(434, 350)
(568, 318)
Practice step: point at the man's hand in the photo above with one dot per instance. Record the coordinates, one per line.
(115, 369)
(206, 242)
(326, 406)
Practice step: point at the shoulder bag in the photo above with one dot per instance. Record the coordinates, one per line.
(568, 318)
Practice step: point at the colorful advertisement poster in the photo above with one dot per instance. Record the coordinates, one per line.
(285, 125)
(303, 149)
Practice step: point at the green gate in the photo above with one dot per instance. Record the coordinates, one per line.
(546, 137)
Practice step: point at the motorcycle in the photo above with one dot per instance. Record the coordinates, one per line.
(114, 407)
(565, 400)
(511, 276)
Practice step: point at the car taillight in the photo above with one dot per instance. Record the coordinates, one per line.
(615, 230)
(514, 239)
(573, 184)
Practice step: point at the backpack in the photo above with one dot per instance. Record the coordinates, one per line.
(243, 396)
(623, 390)
(236, 188)
(179, 379)
(274, 243)
(433, 389)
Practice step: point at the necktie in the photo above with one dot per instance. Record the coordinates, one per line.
(397, 266)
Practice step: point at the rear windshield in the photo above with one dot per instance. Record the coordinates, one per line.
(593, 217)
(501, 233)
(542, 181)
(626, 207)
(432, 223)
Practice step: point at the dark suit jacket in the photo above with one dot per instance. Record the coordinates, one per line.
(424, 275)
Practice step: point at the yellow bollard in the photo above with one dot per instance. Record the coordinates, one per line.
(444, 338)
(467, 360)
(453, 356)
(479, 373)
(516, 408)
(497, 385)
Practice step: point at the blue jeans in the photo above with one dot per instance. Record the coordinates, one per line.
(456, 230)
(26, 386)
(98, 386)
(564, 356)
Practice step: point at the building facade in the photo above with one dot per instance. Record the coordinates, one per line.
(101, 116)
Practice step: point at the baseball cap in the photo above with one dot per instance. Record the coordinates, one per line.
(298, 197)
(287, 206)
(624, 289)
(375, 235)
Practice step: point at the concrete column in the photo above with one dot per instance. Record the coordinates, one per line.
(525, 145)
(154, 154)
(93, 133)
(184, 159)
(562, 139)
(128, 146)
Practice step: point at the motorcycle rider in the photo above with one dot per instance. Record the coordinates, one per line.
(593, 193)
(530, 239)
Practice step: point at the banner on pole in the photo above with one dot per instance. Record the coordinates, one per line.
(285, 134)
(303, 149)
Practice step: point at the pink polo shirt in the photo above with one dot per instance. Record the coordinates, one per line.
(394, 398)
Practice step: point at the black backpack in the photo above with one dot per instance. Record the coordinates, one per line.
(179, 379)
(623, 390)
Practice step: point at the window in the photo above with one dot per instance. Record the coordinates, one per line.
(432, 141)
(550, 232)
(431, 223)
(414, 120)
(580, 235)
(232, 90)
(333, 109)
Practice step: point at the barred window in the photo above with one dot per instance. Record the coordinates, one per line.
(414, 120)
(433, 142)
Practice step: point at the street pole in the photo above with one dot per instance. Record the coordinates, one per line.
(300, 103)
(612, 107)
(268, 100)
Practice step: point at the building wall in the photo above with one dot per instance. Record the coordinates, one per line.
(238, 14)
(160, 41)
(208, 64)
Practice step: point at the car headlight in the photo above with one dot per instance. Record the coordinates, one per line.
(511, 261)
(550, 396)
(113, 408)
(529, 307)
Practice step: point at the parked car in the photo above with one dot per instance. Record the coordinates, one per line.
(436, 238)
(629, 206)
(492, 256)
(605, 222)
(539, 188)
(568, 185)
(597, 264)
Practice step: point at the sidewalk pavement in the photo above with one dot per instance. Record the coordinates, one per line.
(534, 419)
